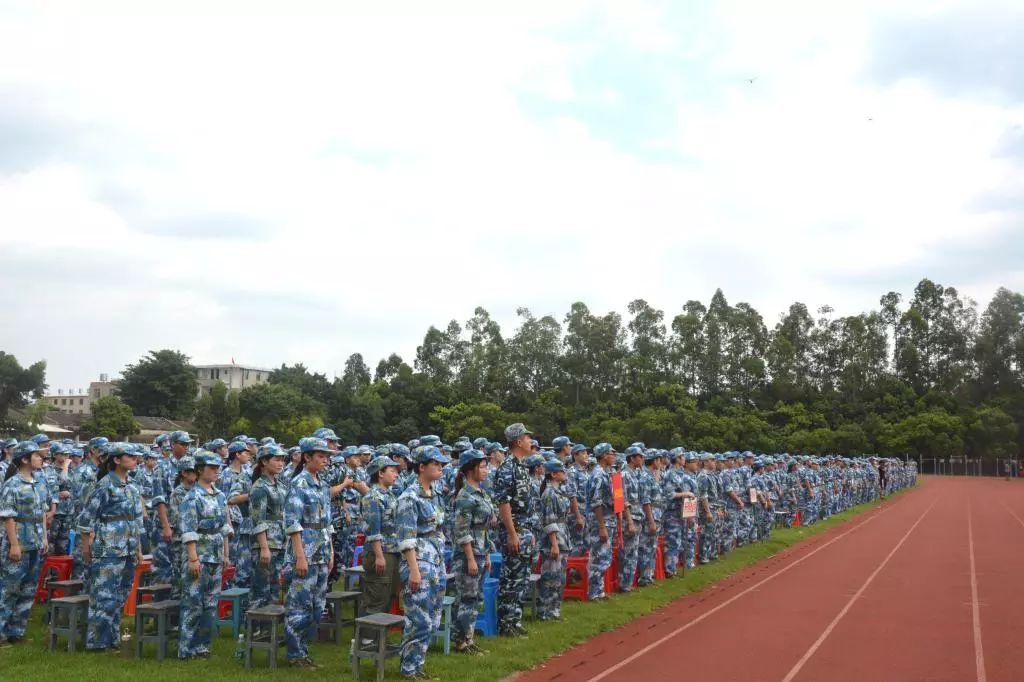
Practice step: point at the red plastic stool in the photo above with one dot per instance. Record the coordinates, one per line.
(659, 560)
(611, 576)
(577, 583)
(54, 568)
(143, 566)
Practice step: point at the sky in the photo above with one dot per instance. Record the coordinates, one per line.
(233, 181)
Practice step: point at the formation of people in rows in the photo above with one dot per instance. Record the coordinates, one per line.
(290, 520)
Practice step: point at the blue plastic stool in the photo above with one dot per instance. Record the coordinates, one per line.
(72, 536)
(487, 621)
(444, 632)
(357, 556)
(236, 596)
(496, 562)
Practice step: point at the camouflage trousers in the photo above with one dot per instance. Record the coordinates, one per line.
(243, 564)
(177, 577)
(110, 581)
(338, 541)
(266, 582)
(600, 557)
(577, 538)
(809, 510)
(422, 614)
(763, 518)
(199, 597)
(304, 604)
(628, 556)
(468, 594)
(551, 586)
(515, 580)
(17, 589)
(162, 570)
(647, 556)
(79, 569)
(709, 541)
(60, 534)
(675, 529)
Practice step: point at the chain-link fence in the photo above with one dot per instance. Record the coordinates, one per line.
(965, 466)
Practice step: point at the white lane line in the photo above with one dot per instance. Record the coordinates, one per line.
(979, 653)
(682, 628)
(835, 621)
(1010, 512)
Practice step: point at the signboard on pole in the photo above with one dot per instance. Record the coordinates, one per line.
(690, 508)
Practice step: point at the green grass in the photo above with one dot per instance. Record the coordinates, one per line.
(580, 621)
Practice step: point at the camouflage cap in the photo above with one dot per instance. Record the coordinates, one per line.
(577, 448)
(268, 440)
(633, 450)
(431, 453)
(494, 447)
(314, 445)
(161, 439)
(480, 443)
(514, 432)
(98, 442)
(553, 466)
(216, 443)
(24, 449)
(205, 458)
(121, 449)
(470, 456)
(462, 446)
(326, 434)
(186, 463)
(378, 463)
(270, 450)
(180, 437)
(9, 443)
(399, 450)
(602, 449)
(237, 446)
(40, 439)
(534, 461)
(365, 450)
(430, 440)
(560, 442)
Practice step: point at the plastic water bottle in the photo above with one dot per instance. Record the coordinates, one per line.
(240, 647)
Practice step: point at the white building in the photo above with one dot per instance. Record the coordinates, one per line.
(235, 377)
(78, 400)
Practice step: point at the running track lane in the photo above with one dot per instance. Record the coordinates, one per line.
(757, 624)
(997, 513)
(913, 618)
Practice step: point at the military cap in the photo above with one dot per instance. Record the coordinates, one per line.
(494, 447)
(237, 446)
(430, 440)
(314, 445)
(633, 450)
(480, 443)
(217, 443)
(578, 447)
(514, 432)
(378, 463)
(40, 439)
(469, 456)
(270, 450)
(24, 449)
(181, 438)
(561, 442)
(533, 461)
(97, 442)
(431, 453)
(602, 449)
(553, 466)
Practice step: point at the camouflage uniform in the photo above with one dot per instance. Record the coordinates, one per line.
(600, 495)
(420, 527)
(203, 520)
(577, 483)
(60, 526)
(708, 538)
(26, 502)
(379, 508)
(83, 479)
(630, 541)
(512, 485)
(113, 516)
(178, 496)
(307, 510)
(554, 516)
(266, 514)
(475, 514)
(243, 529)
(650, 493)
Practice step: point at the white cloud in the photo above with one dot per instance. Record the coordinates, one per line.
(297, 188)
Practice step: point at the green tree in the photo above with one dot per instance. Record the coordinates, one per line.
(277, 410)
(111, 418)
(18, 384)
(308, 383)
(476, 419)
(216, 412)
(162, 384)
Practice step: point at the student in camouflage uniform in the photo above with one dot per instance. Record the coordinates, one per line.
(379, 509)
(555, 515)
(633, 516)
(354, 488)
(577, 484)
(475, 516)
(60, 488)
(421, 542)
(707, 511)
(235, 484)
(183, 484)
(83, 479)
(266, 512)
(310, 555)
(652, 499)
(205, 529)
(111, 535)
(514, 496)
(174, 448)
(603, 524)
(24, 501)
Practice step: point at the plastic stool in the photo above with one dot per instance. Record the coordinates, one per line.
(487, 620)
(72, 538)
(374, 627)
(143, 567)
(231, 604)
(274, 615)
(577, 580)
(53, 568)
(496, 561)
(68, 616)
(659, 561)
(444, 632)
(164, 613)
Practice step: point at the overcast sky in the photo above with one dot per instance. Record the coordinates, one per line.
(231, 182)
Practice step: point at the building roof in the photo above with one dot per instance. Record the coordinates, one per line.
(229, 365)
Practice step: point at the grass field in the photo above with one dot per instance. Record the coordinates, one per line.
(580, 621)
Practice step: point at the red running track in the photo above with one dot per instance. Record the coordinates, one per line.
(925, 587)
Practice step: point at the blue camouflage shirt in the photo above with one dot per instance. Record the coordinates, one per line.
(113, 515)
(204, 521)
(29, 500)
(307, 510)
(420, 524)
(379, 509)
(266, 511)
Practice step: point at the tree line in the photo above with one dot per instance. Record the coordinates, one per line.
(927, 376)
